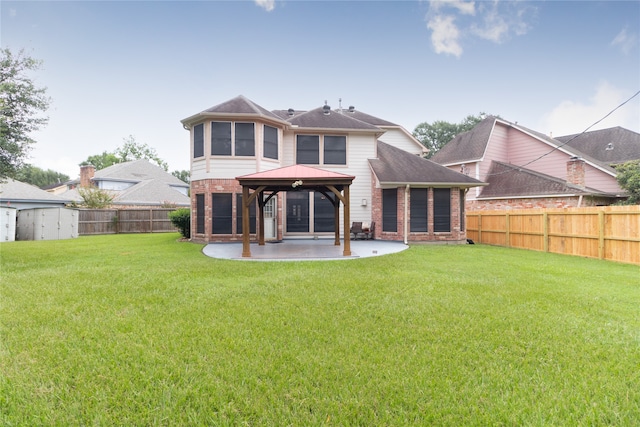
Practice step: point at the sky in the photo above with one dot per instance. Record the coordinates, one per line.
(116, 69)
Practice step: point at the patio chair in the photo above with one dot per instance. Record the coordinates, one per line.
(370, 233)
(355, 230)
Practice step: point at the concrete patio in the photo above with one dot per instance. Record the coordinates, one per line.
(303, 250)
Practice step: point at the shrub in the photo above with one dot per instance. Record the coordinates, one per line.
(95, 198)
(181, 218)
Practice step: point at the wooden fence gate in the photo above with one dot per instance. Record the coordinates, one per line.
(607, 232)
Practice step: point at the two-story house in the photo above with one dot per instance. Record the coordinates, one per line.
(316, 172)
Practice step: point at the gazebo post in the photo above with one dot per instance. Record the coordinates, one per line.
(261, 224)
(336, 219)
(246, 249)
(347, 222)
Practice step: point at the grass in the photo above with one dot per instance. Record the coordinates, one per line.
(145, 330)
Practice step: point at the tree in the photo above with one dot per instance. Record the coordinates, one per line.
(101, 161)
(129, 150)
(39, 177)
(629, 179)
(21, 103)
(435, 135)
(95, 198)
(183, 175)
(132, 150)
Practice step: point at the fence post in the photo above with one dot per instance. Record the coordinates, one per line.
(545, 219)
(507, 226)
(601, 234)
(479, 227)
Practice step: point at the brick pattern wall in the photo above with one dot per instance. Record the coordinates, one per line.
(542, 202)
(456, 235)
(209, 186)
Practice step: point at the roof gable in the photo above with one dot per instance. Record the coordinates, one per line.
(396, 166)
(467, 146)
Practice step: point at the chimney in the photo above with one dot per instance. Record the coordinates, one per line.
(575, 171)
(86, 173)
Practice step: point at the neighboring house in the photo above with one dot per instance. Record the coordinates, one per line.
(20, 195)
(316, 171)
(138, 183)
(527, 169)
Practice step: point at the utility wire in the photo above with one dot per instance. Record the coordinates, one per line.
(569, 140)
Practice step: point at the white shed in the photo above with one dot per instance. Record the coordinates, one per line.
(7, 224)
(47, 224)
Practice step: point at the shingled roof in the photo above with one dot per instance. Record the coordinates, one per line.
(507, 180)
(610, 146)
(17, 191)
(468, 146)
(136, 171)
(320, 118)
(395, 166)
(237, 106)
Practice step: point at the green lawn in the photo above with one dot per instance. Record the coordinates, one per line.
(144, 330)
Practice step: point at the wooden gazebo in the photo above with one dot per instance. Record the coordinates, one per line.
(295, 178)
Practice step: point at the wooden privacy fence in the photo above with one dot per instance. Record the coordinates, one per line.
(608, 232)
(114, 221)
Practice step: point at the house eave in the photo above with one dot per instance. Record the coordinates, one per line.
(203, 116)
(432, 184)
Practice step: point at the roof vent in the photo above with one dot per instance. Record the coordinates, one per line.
(609, 147)
(352, 108)
(291, 111)
(326, 110)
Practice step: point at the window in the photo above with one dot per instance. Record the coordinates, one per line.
(198, 141)
(308, 150)
(323, 214)
(335, 150)
(200, 213)
(252, 215)
(390, 210)
(310, 147)
(419, 212)
(221, 212)
(270, 149)
(245, 140)
(221, 138)
(441, 210)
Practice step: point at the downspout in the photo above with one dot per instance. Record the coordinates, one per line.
(406, 213)
(580, 201)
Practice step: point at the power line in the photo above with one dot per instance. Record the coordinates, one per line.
(570, 139)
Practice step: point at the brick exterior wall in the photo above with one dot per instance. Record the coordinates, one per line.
(209, 186)
(542, 202)
(456, 235)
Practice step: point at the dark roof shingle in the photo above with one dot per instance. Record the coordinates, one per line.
(394, 166)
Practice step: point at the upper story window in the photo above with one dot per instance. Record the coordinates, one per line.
(270, 148)
(319, 150)
(198, 141)
(228, 140)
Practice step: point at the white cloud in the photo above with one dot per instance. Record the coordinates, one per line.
(570, 117)
(464, 7)
(495, 21)
(625, 41)
(445, 35)
(267, 5)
